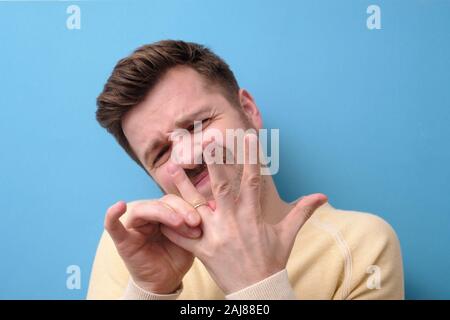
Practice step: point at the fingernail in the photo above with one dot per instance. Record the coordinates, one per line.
(212, 205)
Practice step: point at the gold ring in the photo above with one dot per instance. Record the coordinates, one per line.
(200, 204)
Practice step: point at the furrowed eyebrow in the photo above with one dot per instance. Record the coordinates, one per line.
(186, 120)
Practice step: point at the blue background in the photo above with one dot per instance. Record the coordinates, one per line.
(364, 117)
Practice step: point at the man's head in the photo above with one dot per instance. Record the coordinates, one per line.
(169, 85)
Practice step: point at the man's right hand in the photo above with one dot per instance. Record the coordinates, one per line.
(155, 263)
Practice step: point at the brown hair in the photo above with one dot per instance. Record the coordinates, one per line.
(134, 76)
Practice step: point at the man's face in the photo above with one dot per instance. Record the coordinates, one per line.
(181, 97)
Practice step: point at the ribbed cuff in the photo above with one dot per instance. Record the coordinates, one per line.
(275, 287)
(134, 292)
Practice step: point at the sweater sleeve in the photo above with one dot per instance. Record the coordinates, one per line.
(134, 292)
(274, 287)
(378, 267)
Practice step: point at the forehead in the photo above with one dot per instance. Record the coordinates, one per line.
(180, 92)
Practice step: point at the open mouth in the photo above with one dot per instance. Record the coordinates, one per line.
(201, 178)
(198, 174)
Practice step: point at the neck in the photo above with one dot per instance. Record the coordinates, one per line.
(274, 209)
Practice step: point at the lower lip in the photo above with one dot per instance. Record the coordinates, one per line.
(203, 180)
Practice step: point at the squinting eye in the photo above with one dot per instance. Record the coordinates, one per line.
(193, 127)
(160, 154)
(206, 120)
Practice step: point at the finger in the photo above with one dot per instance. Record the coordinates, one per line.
(147, 214)
(296, 218)
(249, 193)
(188, 232)
(190, 215)
(183, 242)
(112, 223)
(153, 212)
(190, 228)
(186, 188)
(221, 186)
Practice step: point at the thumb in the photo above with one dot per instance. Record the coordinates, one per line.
(296, 218)
(113, 225)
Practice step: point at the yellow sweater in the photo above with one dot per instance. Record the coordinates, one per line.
(337, 254)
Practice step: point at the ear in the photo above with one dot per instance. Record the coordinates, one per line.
(250, 109)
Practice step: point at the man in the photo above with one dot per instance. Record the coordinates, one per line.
(221, 230)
